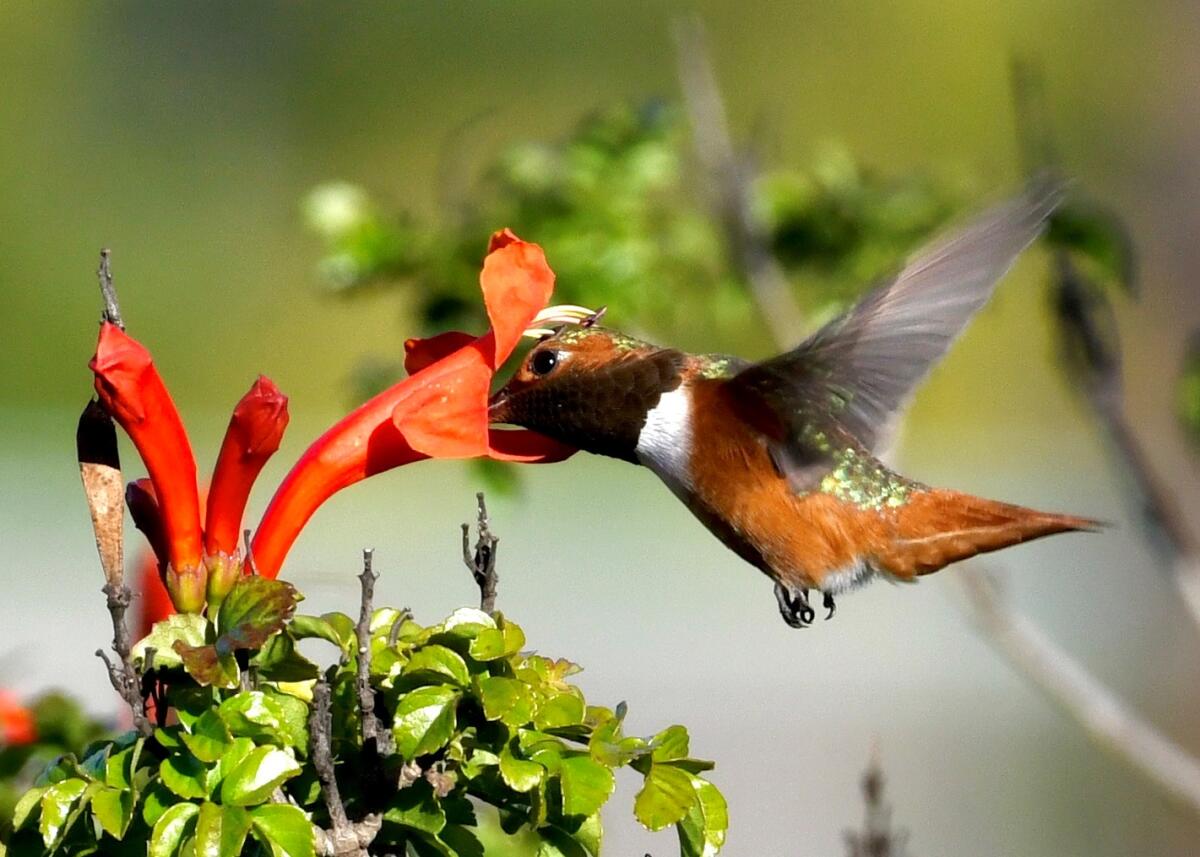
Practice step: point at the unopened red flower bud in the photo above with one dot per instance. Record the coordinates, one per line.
(143, 508)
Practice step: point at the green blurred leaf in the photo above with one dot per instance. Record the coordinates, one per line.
(28, 808)
(257, 775)
(59, 804)
(560, 710)
(267, 716)
(671, 743)
(493, 643)
(506, 699)
(113, 808)
(665, 798)
(520, 775)
(172, 828)
(184, 775)
(424, 720)
(284, 830)
(1098, 239)
(1188, 392)
(279, 661)
(462, 842)
(417, 808)
(208, 738)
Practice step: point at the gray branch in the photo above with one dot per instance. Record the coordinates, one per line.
(482, 561)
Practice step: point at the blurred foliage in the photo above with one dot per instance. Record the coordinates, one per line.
(1097, 241)
(60, 726)
(470, 720)
(1189, 392)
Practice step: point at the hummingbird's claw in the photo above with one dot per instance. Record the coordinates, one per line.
(794, 606)
(829, 605)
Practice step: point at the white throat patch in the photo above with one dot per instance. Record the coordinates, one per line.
(665, 441)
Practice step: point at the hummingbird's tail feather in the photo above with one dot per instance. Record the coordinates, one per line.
(938, 527)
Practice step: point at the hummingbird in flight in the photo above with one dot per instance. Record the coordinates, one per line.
(778, 458)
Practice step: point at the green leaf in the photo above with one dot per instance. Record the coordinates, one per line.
(555, 842)
(209, 737)
(267, 717)
(702, 831)
(337, 628)
(494, 643)
(506, 699)
(28, 808)
(591, 834)
(58, 805)
(467, 622)
(221, 830)
(417, 807)
(671, 743)
(186, 628)
(257, 775)
(609, 747)
(665, 798)
(156, 800)
(424, 720)
(560, 710)
(171, 828)
(586, 785)
(279, 661)
(462, 842)
(254, 609)
(119, 768)
(520, 775)
(1188, 392)
(285, 830)
(1098, 237)
(113, 808)
(438, 661)
(184, 775)
(208, 666)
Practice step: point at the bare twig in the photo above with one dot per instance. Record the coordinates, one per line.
(877, 838)
(112, 307)
(730, 179)
(121, 674)
(343, 839)
(1103, 715)
(376, 740)
(482, 562)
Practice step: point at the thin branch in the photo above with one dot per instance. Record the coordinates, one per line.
(877, 838)
(482, 562)
(376, 740)
(1104, 716)
(112, 307)
(730, 179)
(343, 839)
(121, 674)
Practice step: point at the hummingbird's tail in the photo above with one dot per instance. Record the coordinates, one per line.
(938, 527)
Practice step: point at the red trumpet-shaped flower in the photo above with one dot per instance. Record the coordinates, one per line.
(439, 411)
(17, 724)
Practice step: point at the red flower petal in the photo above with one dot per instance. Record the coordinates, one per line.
(143, 508)
(131, 390)
(516, 283)
(17, 725)
(253, 436)
(419, 353)
(527, 447)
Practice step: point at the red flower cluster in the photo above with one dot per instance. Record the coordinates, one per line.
(439, 411)
(17, 725)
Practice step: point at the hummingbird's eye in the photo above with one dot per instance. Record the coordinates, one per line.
(543, 362)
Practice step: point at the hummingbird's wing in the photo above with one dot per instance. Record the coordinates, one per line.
(860, 369)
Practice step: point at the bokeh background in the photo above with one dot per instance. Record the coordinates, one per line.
(186, 137)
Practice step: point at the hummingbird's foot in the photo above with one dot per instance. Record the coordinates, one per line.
(794, 606)
(829, 605)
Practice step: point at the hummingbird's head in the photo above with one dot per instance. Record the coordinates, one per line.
(590, 387)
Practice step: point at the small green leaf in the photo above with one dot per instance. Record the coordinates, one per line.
(337, 628)
(560, 710)
(207, 665)
(439, 661)
(285, 830)
(221, 830)
(493, 643)
(172, 827)
(609, 747)
(186, 628)
(267, 717)
(671, 743)
(254, 609)
(58, 805)
(119, 768)
(462, 842)
(208, 738)
(424, 720)
(156, 800)
(417, 807)
(586, 785)
(506, 699)
(257, 775)
(279, 661)
(28, 808)
(520, 775)
(184, 774)
(665, 798)
(1187, 394)
(113, 808)
(702, 831)
(555, 842)
(467, 622)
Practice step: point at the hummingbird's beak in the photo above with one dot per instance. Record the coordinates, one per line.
(498, 407)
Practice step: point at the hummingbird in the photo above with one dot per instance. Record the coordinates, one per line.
(779, 458)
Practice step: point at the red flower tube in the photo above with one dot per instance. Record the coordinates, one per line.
(253, 436)
(439, 411)
(131, 390)
(17, 725)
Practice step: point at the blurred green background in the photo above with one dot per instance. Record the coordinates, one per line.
(185, 137)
